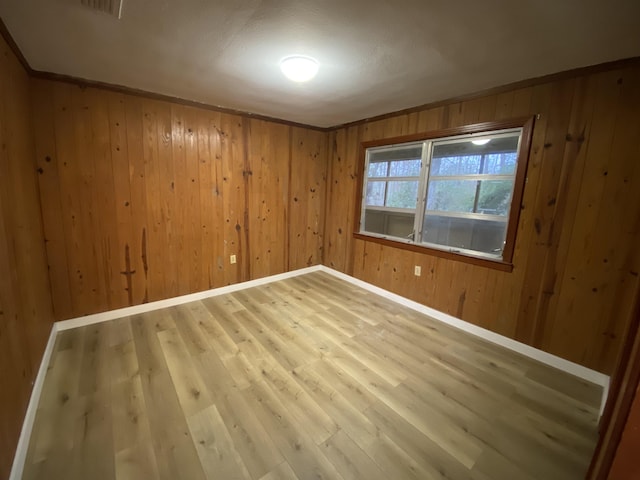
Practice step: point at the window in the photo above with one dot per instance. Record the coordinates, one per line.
(453, 193)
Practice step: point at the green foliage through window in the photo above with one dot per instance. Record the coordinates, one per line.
(450, 192)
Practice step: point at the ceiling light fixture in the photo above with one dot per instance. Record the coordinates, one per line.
(299, 68)
(481, 141)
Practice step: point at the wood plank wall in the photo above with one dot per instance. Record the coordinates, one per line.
(145, 199)
(576, 255)
(25, 302)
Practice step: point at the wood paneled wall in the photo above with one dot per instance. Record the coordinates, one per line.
(25, 302)
(576, 255)
(145, 200)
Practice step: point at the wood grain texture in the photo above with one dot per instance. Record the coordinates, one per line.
(576, 260)
(309, 377)
(25, 299)
(145, 199)
(619, 412)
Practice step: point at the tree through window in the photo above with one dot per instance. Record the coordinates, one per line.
(453, 193)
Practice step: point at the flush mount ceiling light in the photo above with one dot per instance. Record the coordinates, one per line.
(481, 141)
(299, 68)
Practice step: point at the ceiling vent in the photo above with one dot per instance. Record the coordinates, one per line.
(110, 7)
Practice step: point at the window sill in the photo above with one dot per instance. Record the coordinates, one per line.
(496, 264)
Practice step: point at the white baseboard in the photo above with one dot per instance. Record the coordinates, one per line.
(543, 357)
(30, 416)
(27, 425)
(171, 302)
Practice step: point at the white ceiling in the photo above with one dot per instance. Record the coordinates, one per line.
(376, 56)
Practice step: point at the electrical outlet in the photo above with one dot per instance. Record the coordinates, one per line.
(232, 259)
(417, 270)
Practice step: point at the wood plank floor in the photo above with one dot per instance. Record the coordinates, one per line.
(306, 378)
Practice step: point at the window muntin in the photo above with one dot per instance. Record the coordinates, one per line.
(392, 187)
(445, 193)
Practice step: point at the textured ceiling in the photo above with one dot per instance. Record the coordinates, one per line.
(376, 56)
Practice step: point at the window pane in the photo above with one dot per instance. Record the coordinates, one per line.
(495, 197)
(500, 163)
(451, 195)
(393, 224)
(459, 165)
(375, 193)
(469, 184)
(402, 194)
(404, 152)
(405, 168)
(466, 233)
(378, 169)
(496, 157)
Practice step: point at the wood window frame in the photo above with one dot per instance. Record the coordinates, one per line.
(506, 262)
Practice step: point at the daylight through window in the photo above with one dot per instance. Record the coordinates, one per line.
(454, 194)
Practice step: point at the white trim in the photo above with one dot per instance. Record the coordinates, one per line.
(543, 357)
(539, 355)
(171, 302)
(27, 425)
(30, 416)
(605, 396)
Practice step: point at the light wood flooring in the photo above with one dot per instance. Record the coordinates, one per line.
(305, 378)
